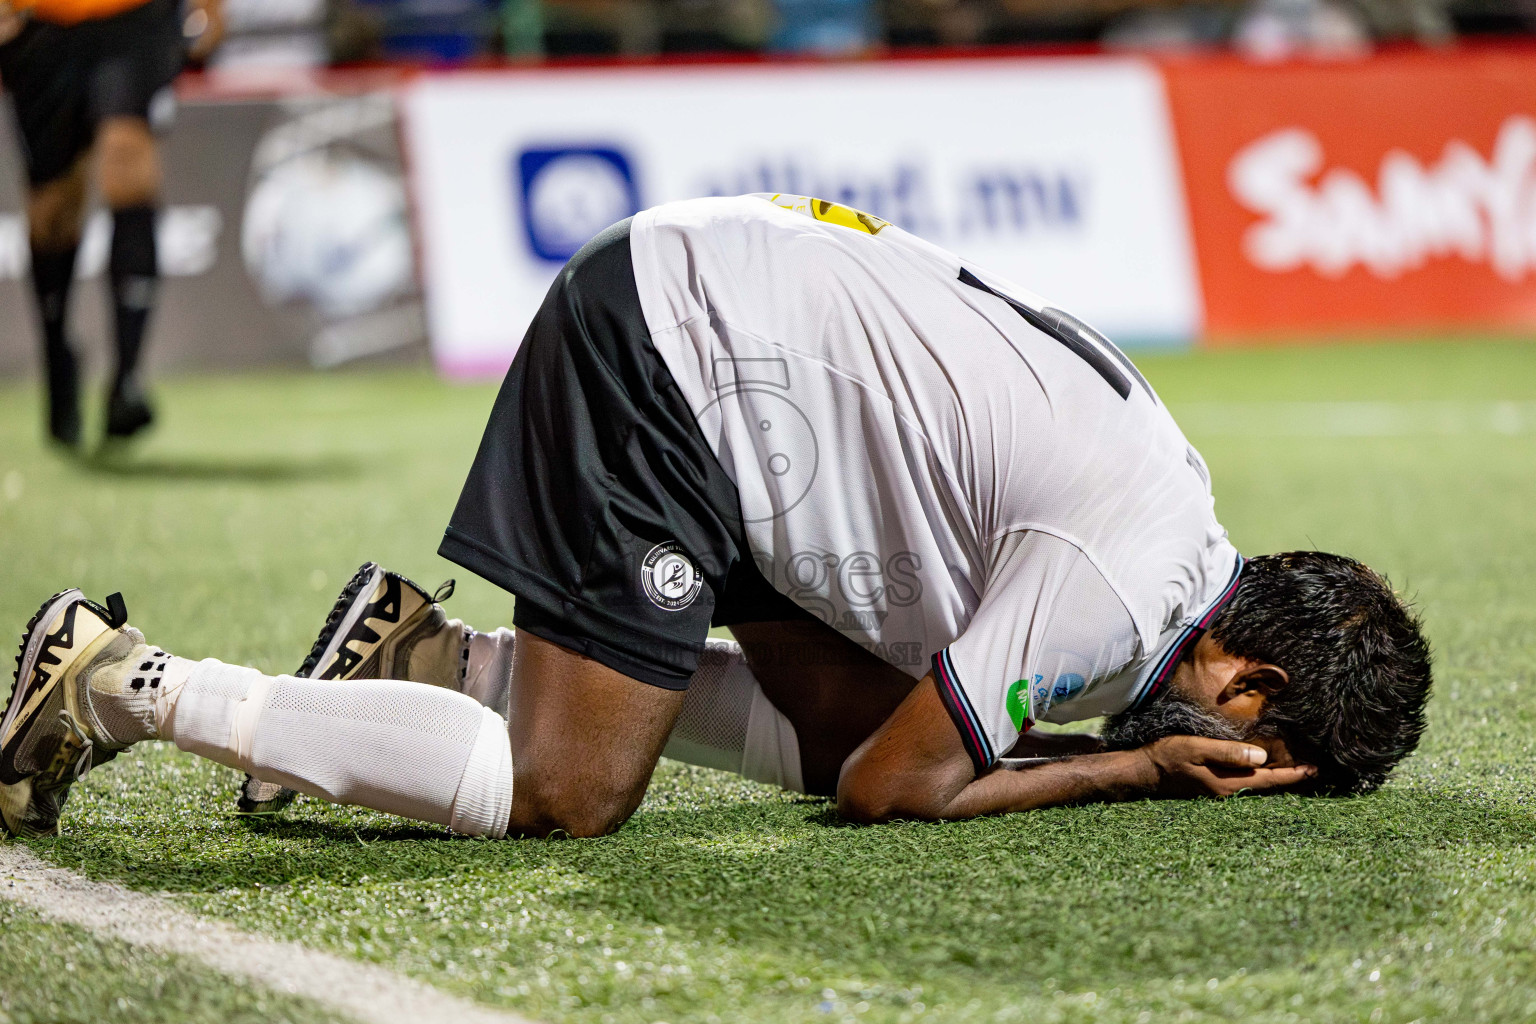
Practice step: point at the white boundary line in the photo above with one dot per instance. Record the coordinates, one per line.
(363, 991)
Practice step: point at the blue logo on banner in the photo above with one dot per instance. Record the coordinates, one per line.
(571, 193)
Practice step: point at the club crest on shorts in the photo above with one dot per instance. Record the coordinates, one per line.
(670, 578)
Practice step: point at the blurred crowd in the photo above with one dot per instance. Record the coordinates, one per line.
(319, 32)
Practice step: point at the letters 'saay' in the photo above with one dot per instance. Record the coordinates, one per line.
(1333, 220)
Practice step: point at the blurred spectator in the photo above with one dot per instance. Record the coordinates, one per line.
(447, 31)
(1189, 27)
(1281, 29)
(438, 31)
(635, 27)
(273, 33)
(1491, 17)
(825, 27)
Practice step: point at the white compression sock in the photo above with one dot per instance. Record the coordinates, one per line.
(727, 722)
(410, 749)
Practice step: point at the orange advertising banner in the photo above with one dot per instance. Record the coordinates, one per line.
(1395, 192)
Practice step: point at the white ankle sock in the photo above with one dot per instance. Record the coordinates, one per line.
(410, 749)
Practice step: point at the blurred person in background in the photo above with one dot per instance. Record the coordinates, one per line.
(92, 78)
(1275, 30)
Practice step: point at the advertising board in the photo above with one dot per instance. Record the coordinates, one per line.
(284, 238)
(1056, 173)
(1397, 192)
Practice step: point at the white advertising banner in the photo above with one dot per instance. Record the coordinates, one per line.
(1058, 173)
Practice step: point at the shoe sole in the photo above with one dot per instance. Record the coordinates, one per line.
(24, 695)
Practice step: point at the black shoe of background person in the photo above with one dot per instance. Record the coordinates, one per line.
(63, 379)
(128, 412)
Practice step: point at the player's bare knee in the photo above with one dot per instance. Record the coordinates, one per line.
(575, 808)
(127, 165)
(573, 822)
(56, 212)
(592, 822)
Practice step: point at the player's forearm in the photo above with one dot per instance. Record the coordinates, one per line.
(1119, 775)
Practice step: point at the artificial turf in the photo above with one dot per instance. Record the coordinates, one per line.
(230, 531)
(60, 974)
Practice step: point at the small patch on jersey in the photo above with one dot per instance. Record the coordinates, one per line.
(832, 213)
(670, 578)
(1019, 703)
(1068, 685)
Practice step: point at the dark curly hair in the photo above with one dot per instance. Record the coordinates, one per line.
(1358, 663)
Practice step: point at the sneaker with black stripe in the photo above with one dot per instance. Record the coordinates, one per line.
(76, 701)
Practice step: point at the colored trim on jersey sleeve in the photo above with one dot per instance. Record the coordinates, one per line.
(952, 693)
(1187, 639)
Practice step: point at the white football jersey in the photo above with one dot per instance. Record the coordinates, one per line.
(934, 461)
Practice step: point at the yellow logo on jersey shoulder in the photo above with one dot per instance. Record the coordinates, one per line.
(832, 213)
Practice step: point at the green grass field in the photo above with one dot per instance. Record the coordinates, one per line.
(230, 531)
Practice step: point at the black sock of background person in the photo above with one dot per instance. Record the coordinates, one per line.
(135, 274)
(52, 274)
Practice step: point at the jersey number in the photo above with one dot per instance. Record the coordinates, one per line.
(1086, 343)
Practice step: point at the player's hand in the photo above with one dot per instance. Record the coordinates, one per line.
(1191, 766)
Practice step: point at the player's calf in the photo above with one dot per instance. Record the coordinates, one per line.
(586, 738)
(727, 722)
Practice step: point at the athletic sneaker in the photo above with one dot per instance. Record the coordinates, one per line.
(375, 627)
(128, 412)
(383, 626)
(84, 690)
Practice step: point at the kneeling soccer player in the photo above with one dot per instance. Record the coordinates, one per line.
(933, 509)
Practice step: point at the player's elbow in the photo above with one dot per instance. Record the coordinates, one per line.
(869, 794)
(862, 806)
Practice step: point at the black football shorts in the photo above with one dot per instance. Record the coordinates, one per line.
(594, 497)
(66, 79)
